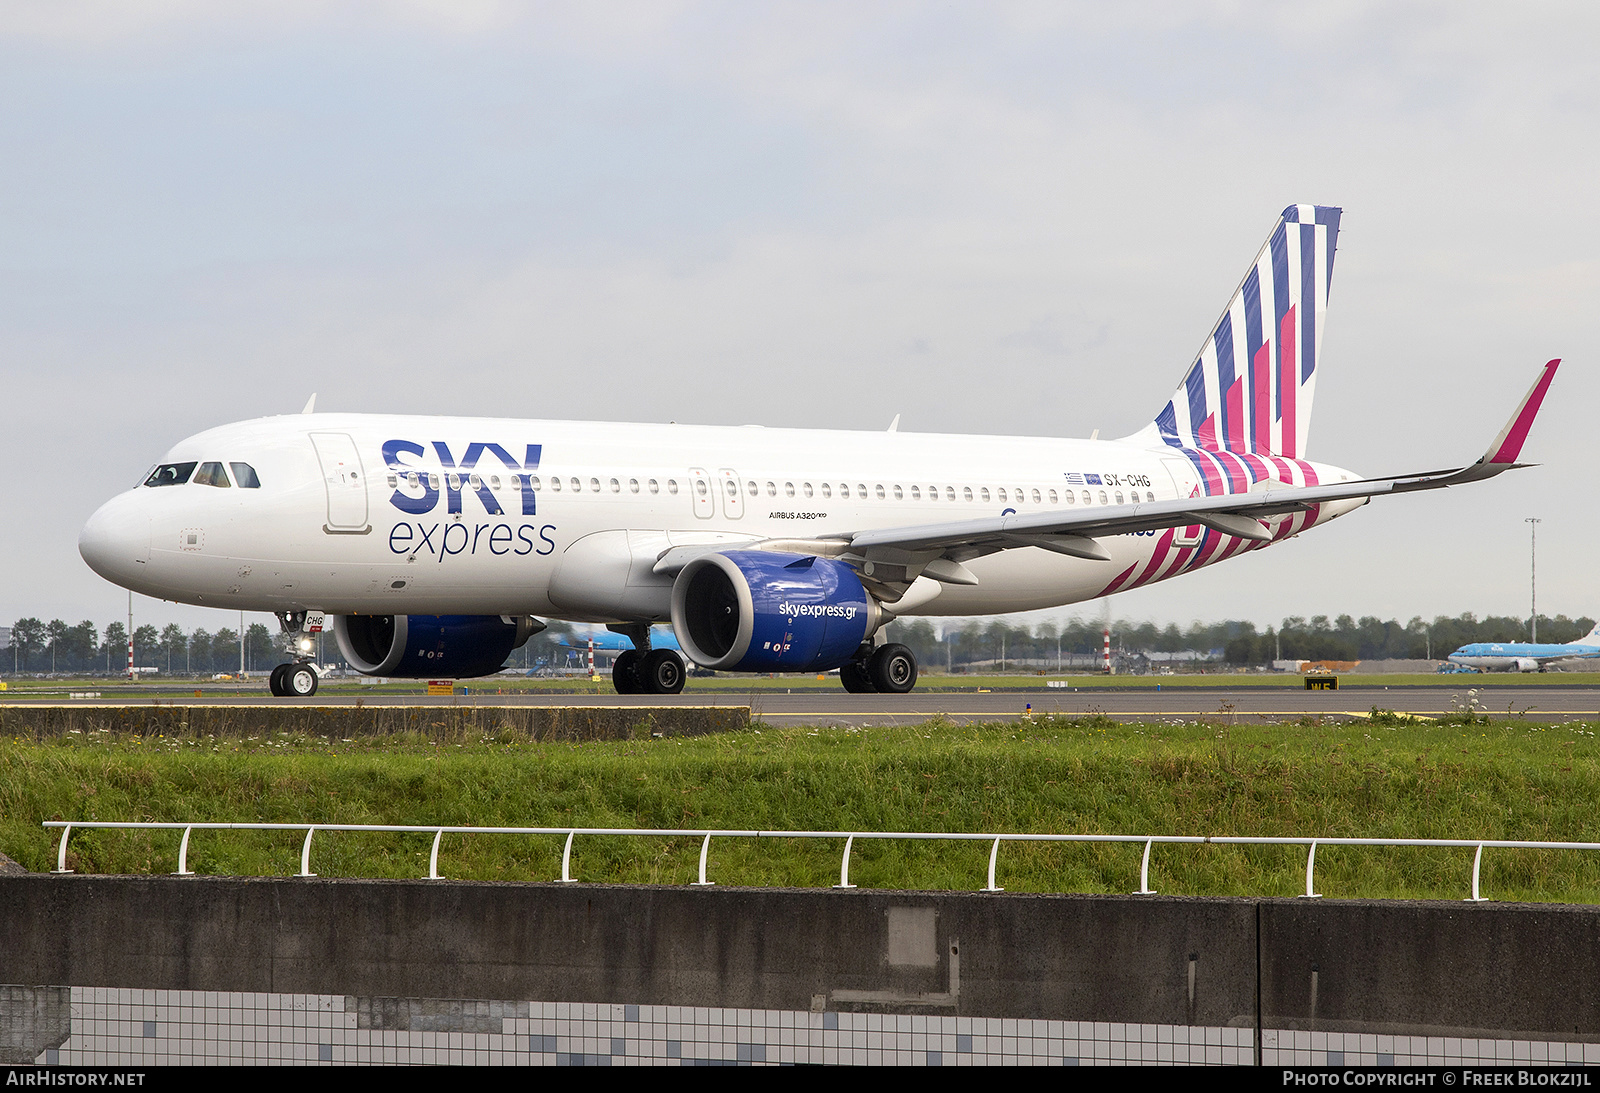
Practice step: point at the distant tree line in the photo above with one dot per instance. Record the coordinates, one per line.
(1369, 638)
(56, 647)
(997, 643)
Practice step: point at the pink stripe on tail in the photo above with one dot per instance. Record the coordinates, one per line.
(1511, 440)
(1288, 385)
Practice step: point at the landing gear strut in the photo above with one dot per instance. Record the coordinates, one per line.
(891, 669)
(297, 680)
(643, 670)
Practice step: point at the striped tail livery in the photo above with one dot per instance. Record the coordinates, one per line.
(1251, 386)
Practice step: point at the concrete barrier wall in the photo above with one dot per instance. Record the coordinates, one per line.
(1422, 968)
(447, 723)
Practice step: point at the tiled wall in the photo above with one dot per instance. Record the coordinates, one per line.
(133, 1027)
(1367, 1049)
(121, 1027)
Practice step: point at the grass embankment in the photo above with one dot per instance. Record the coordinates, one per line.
(1506, 780)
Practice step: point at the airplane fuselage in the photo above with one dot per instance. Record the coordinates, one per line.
(377, 515)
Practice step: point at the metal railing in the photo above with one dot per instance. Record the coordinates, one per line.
(849, 837)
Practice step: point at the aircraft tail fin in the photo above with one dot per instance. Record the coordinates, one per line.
(1250, 387)
(1591, 638)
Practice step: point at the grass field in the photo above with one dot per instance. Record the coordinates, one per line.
(1506, 780)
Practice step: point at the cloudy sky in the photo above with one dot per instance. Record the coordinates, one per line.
(986, 217)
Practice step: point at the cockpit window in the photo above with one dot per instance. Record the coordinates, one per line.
(170, 474)
(212, 474)
(245, 475)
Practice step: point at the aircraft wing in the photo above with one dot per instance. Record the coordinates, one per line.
(899, 555)
(1073, 531)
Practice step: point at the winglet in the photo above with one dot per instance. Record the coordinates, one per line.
(1508, 445)
(311, 404)
(1502, 454)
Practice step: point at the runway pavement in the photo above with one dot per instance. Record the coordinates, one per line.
(1253, 704)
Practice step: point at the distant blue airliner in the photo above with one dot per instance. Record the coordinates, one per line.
(1522, 656)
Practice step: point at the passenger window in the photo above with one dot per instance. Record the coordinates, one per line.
(170, 474)
(1001, 495)
(394, 482)
(806, 488)
(751, 486)
(733, 488)
(672, 485)
(827, 490)
(1148, 496)
(616, 487)
(966, 493)
(1119, 497)
(576, 484)
(244, 475)
(984, 494)
(916, 493)
(475, 482)
(1103, 498)
(633, 485)
(1086, 499)
(533, 481)
(879, 490)
(933, 493)
(861, 490)
(844, 491)
(1035, 497)
(494, 481)
(212, 474)
(950, 493)
(1070, 498)
(1053, 497)
(788, 489)
(700, 486)
(655, 487)
(594, 484)
(772, 489)
(555, 483)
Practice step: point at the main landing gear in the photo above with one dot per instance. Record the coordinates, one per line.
(891, 669)
(657, 672)
(297, 680)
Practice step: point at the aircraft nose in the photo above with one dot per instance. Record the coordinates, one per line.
(116, 540)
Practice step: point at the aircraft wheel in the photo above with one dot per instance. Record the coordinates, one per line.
(661, 672)
(275, 681)
(300, 680)
(893, 669)
(856, 680)
(625, 674)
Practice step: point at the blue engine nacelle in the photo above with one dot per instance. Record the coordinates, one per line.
(767, 611)
(431, 646)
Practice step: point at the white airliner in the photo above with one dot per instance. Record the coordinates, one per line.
(434, 546)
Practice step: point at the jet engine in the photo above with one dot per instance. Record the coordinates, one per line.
(768, 611)
(1527, 664)
(431, 646)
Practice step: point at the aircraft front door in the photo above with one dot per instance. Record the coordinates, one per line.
(346, 484)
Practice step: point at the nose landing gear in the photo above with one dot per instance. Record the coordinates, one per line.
(294, 680)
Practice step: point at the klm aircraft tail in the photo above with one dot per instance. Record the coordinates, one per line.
(1591, 638)
(1251, 386)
